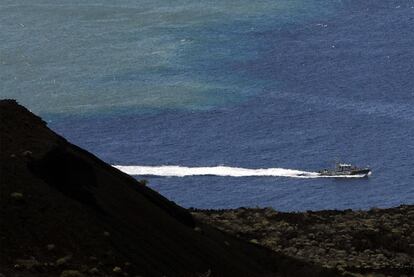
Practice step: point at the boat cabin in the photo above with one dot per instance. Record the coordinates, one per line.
(344, 167)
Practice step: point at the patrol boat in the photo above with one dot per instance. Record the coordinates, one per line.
(342, 169)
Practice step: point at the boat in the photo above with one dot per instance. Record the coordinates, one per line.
(342, 169)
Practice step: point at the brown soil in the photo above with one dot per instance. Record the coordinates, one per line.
(64, 212)
(377, 242)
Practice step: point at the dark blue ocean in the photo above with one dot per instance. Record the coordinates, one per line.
(281, 84)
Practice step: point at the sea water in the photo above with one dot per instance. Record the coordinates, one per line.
(223, 104)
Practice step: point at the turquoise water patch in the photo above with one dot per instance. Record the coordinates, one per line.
(77, 57)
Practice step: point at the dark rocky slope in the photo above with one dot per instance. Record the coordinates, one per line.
(378, 242)
(64, 212)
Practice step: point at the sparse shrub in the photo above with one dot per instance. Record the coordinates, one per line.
(18, 196)
(143, 182)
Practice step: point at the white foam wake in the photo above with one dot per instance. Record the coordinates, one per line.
(182, 171)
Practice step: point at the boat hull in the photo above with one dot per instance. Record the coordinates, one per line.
(361, 172)
(357, 172)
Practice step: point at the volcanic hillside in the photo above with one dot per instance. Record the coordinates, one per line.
(65, 212)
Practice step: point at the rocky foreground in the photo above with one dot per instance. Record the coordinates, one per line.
(379, 242)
